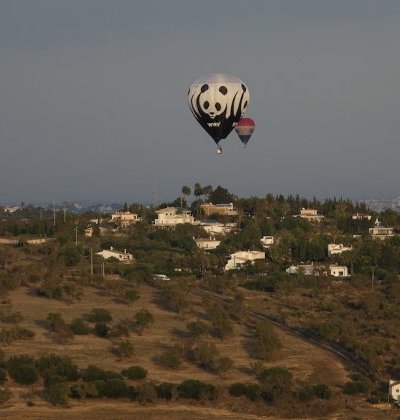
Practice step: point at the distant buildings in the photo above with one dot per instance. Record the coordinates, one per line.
(121, 256)
(310, 214)
(380, 232)
(125, 218)
(169, 217)
(221, 209)
(267, 241)
(319, 269)
(394, 390)
(89, 231)
(361, 216)
(207, 243)
(337, 249)
(217, 228)
(241, 257)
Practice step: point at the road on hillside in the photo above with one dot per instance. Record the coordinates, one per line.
(341, 354)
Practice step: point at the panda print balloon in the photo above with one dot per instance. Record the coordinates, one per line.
(217, 102)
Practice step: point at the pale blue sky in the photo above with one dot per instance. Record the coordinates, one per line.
(93, 97)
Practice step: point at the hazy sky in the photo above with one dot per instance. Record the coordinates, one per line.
(93, 97)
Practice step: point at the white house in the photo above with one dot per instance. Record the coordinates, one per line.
(125, 218)
(222, 209)
(315, 270)
(207, 243)
(337, 249)
(306, 269)
(267, 241)
(217, 228)
(310, 214)
(89, 231)
(170, 217)
(380, 232)
(240, 257)
(121, 256)
(394, 390)
(361, 216)
(338, 270)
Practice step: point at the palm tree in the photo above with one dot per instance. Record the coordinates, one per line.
(185, 191)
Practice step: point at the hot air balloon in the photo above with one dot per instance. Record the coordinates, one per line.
(217, 102)
(244, 129)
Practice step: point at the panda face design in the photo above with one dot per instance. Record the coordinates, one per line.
(213, 102)
(218, 102)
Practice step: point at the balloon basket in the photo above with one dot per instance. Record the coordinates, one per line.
(219, 151)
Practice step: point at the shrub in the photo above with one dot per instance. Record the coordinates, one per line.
(204, 355)
(101, 329)
(192, 388)
(56, 393)
(222, 365)
(238, 389)
(3, 376)
(143, 320)
(5, 395)
(197, 329)
(51, 365)
(79, 327)
(56, 322)
(306, 393)
(171, 358)
(266, 340)
(356, 387)
(120, 329)
(322, 391)
(22, 369)
(124, 349)
(135, 372)
(24, 374)
(167, 390)
(146, 393)
(253, 392)
(99, 315)
(85, 390)
(276, 381)
(94, 373)
(112, 388)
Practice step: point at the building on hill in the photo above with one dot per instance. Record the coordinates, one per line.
(267, 241)
(125, 218)
(121, 256)
(394, 390)
(319, 269)
(89, 231)
(361, 216)
(310, 214)
(207, 243)
(169, 217)
(337, 249)
(217, 228)
(380, 232)
(239, 258)
(221, 209)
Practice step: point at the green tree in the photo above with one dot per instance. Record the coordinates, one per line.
(143, 319)
(266, 340)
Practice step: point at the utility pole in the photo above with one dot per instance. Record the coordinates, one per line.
(76, 235)
(54, 214)
(91, 261)
(65, 211)
(372, 277)
(102, 269)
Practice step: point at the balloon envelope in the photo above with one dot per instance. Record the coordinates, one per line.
(217, 102)
(244, 129)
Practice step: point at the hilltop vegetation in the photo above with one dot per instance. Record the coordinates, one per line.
(106, 329)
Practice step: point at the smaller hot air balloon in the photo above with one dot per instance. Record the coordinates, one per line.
(244, 129)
